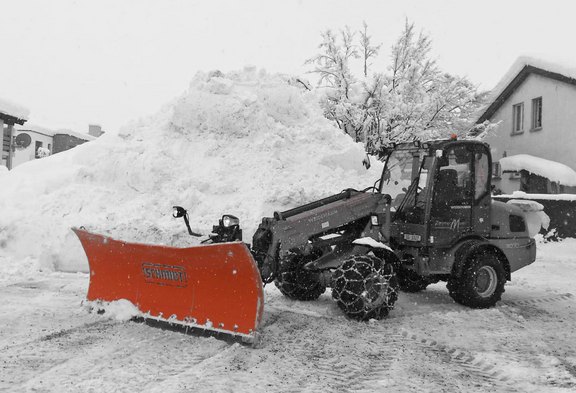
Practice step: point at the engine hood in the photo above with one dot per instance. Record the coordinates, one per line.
(500, 221)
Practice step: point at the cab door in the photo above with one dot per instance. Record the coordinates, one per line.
(453, 196)
(482, 169)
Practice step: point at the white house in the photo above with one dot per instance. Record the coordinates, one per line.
(535, 106)
(31, 140)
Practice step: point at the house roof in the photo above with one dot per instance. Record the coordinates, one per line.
(10, 111)
(520, 70)
(50, 132)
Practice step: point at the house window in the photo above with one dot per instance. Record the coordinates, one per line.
(537, 113)
(38, 146)
(518, 118)
(496, 170)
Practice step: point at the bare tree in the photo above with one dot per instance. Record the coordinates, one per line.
(333, 61)
(368, 50)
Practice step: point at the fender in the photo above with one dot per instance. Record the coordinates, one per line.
(467, 248)
(380, 250)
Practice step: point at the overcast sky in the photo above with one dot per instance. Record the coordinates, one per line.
(78, 62)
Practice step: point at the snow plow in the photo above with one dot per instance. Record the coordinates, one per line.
(429, 218)
(178, 285)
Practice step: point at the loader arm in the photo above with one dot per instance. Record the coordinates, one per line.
(344, 217)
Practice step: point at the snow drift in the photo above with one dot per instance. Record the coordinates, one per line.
(246, 143)
(552, 170)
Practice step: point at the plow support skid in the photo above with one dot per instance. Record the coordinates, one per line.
(215, 287)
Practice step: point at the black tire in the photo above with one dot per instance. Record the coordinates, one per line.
(365, 287)
(482, 282)
(295, 282)
(410, 281)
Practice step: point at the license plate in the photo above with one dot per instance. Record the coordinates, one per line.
(412, 238)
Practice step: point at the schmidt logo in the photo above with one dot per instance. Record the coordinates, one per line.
(156, 273)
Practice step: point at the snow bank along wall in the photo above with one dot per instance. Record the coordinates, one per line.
(245, 143)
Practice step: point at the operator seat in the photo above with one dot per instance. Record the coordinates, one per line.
(446, 192)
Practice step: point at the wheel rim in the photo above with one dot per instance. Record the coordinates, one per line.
(485, 281)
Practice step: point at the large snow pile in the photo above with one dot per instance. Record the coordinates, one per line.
(245, 143)
(552, 170)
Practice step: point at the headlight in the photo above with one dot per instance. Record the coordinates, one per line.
(178, 212)
(228, 221)
(374, 220)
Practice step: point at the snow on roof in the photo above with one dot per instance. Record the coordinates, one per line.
(35, 128)
(80, 135)
(546, 197)
(552, 170)
(559, 69)
(562, 68)
(14, 110)
(51, 132)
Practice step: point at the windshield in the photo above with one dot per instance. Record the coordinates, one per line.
(405, 179)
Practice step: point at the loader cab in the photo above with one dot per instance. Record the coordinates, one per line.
(440, 192)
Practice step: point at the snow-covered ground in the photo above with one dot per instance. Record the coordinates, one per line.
(50, 343)
(245, 143)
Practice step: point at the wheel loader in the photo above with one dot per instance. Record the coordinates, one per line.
(429, 218)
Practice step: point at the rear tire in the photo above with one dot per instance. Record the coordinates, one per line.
(482, 282)
(364, 287)
(410, 281)
(295, 282)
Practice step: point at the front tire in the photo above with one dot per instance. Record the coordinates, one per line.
(295, 282)
(482, 282)
(364, 287)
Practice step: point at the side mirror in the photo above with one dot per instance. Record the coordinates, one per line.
(178, 212)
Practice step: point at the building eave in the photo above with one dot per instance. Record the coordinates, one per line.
(516, 82)
(11, 119)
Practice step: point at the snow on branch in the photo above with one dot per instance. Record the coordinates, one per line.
(411, 99)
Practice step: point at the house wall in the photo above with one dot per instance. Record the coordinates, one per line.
(5, 144)
(555, 141)
(29, 153)
(64, 142)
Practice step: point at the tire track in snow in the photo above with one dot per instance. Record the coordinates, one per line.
(478, 367)
(151, 363)
(330, 313)
(21, 362)
(384, 348)
(384, 359)
(540, 300)
(123, 359)
(62, 333)
(464, 359)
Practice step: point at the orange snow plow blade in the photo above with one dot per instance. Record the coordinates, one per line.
(216, 287)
